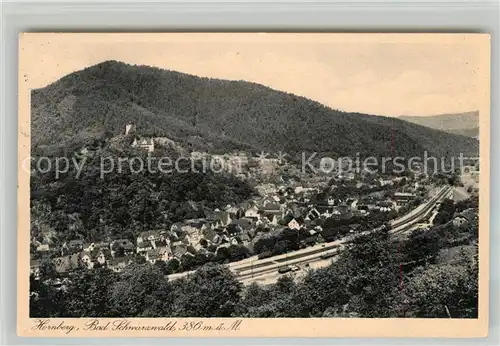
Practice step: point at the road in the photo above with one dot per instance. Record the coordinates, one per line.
(266, 270)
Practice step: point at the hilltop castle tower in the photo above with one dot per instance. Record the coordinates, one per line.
(130, 128)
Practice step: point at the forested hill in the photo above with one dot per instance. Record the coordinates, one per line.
(220, 114)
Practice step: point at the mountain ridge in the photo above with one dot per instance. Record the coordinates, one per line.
(465, 123)
(220, 114)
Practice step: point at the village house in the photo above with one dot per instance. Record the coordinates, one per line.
(130, 129)
(102, 255)
(237, 226)
(222, 218)
(125, 244)
(163, 253)
(234, 211)
(386, 182)
(209, 224)
(119, 263)
(293, 224)
(142, 248)
(178, 249)
(102, 245)
(271, 219)
(191, 233)
(331, 212)
(66, 264)
(91, 247)
(76, 244)
(312, 214)
(353, 204)
(217, 240)
(343, 208)
(252, 213)
(176, 227)
(272, 208)
(209, 234)
(86, 259)
(403, 197)
(43, 248)
(149, 236)
(463, 218)
(459, 220)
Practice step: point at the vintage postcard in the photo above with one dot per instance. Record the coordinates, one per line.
(253, 184)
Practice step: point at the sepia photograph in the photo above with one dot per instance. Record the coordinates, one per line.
(215, 179)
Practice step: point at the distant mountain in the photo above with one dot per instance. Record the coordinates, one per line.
(217, 115)
(465, 124)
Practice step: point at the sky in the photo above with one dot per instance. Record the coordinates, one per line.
(392, 75)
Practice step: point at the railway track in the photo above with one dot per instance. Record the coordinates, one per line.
(399, 227)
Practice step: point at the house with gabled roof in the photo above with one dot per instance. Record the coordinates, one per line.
(119, 263)
(234, 212)
(66, 264)
(293, 224)
(209, 234)
(43, 248)
(270, 219)
(76, 244)
(128, 247)
(148, 236)
(312, 214)
(178, 249)
(86, 258)
(253, 213)
(465, 217)
(101, 256)
(159, 254)
(239, 225)
(142, 248)
(274, 208)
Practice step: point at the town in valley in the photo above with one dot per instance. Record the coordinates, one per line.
(260, 236)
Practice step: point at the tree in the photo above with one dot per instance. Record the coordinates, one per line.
(364, 277)
(237, 252)
(212, 291)
(142, 290)
(188, 262)
(162, 265)
(45, 301)
(87, 296)
(47, 270)
(222, 255)
(320, 290)
(443, 291)
(421, 246)
(253, 297)
(173, 266)
(445, 213)
(265, 244)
